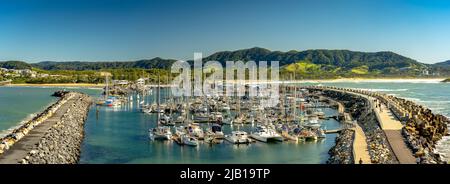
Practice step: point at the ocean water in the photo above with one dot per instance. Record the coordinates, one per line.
(434, 95)
(120, 135)
(18, 104)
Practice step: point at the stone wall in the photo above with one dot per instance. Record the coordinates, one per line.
(358, 107)
(61, 144)
(342, 152)
(17, 134)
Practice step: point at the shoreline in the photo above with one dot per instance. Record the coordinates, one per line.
(68, 85)
(342, 80)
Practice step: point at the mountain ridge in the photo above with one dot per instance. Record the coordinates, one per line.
(341, 58)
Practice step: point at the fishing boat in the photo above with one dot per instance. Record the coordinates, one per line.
(238, 137)
(265, 134)
(160, 133)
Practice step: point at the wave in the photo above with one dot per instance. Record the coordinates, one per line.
(29, 117)
(382, 89)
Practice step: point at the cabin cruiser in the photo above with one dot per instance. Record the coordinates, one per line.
(238, 137)
(216, 129)
(320, 133)
(265, 134)
(112, 102)
(201, 117)
(166, 120)
(307, 134)
(189, 140)
(160, 133)
(216, 116)
(210, 138)
(195, 130)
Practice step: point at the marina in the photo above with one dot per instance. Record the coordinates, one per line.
(129, 134)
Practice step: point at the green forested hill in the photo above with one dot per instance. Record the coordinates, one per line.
(317, 63)
(78, 65)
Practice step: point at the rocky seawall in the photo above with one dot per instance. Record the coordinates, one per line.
(17, 134)
(358, 107)
(341, 153)
(60, 143)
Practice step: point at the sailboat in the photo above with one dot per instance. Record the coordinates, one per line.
(160, 132)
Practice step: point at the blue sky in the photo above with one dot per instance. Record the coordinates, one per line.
(98, 30)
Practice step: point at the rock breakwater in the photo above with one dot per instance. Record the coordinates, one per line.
(61, 144)
(358, 107)
(341, 153)
(55, 135)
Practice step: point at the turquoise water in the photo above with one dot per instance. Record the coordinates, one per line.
(434, 95)
(20, 103)
(120, 135)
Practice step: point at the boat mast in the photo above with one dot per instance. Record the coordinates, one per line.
(158, 101)
(295, 100)
(106, 87)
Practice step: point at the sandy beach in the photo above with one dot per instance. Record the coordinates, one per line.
(343, 80)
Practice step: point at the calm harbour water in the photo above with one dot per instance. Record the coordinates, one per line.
(120, 135)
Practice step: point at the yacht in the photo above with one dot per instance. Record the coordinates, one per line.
(160, 133)
(265, 134)
(201, 117)
(195, 130)
(166, 120)
(189, 140)
(217, 130)
(238, 137)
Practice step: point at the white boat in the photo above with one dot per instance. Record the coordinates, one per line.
(225, 107)
(320, 133)
(160, 133)
(189, 140)
(201, 117)
(216, 116)
(217, 130)
(195, 130)
(166, 120)
(265, 134)
(238, 137)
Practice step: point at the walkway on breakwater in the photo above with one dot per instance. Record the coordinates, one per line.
(392, 128)
(21, 148)
(360, 149)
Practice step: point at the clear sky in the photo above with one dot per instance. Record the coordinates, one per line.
(98, 30)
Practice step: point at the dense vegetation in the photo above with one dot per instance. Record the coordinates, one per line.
(78, 65)
(309, 64)
(15, 65)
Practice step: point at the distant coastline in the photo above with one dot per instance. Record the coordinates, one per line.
(341, 80)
